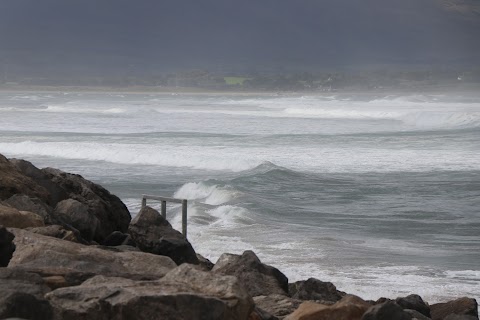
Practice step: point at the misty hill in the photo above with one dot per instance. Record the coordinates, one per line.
(89, 37)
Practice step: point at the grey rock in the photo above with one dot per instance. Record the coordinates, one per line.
(462, 306)
(22, 295)
(414, 302)
(260, 279)
(184, 293)
(111, 212)
(152, 233)
(23, 202)
(78, 215)
(314, 289)
(386, 311)
(11, 217)
(55, 257)
(118, 238)
(278, 305)
(416, 315)
(59, 232)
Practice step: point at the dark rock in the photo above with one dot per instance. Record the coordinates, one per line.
(118, 238)
(59, 232)
(54, 257)
(78, 215)
(12, 218)
(277, 305)
(260, 314)
(55, 193)
(22, 295)
(204, 263)
(416, 315)
(462, 306)
(460, 317)
(260, 279)
(153, 233)
(184, 293)
(314, 289)
(386, 311)
(14, 182)
(414, 302)
(349, 308)
(109, 210)
(6, 246)
(23, 202)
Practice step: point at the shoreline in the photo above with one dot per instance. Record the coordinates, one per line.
(439, 89)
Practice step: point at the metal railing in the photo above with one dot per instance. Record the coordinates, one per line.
(164, 201)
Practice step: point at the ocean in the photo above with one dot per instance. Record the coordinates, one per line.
(379, 194)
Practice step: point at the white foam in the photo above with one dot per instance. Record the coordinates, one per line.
(208, 194)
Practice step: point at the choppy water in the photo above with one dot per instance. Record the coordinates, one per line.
(378, 194)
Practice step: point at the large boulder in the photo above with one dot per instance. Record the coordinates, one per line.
(414, 302)
(463, 306)
(348, 308)
(12, 218)
(386, 311)
(314, 289)
(153, 233)
(55, 193)
(184, 293)
(14, 182)
(78, 215)
(54, 257)
(52, 186)
(23, 202)
(278, 305)
(109, 210)
(260, 279)
(22, 295)
(6, 246)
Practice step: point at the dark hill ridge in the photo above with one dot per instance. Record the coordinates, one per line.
(78, 37)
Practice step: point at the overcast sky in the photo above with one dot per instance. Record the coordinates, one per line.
(176, 34)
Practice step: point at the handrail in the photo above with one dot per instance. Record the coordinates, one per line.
(164, 201)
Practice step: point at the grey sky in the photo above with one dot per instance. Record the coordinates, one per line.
(175, 34)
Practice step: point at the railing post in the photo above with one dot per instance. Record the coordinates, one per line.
(144, 202)
(164, 209)
(184, 218)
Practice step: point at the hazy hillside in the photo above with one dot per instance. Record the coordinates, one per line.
(143, 36)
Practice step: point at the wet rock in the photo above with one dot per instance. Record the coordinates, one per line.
(460, 317)
(109, 210)
(314, 289)
(78, 215)
(6, 246)
(277, 305)
(388, 310)
(260, 279)
(184, 293)
(12, 218)
(349, 308)
(55, 257)
(22, 295)
(153, 233)
(414, 302)
(463, 306)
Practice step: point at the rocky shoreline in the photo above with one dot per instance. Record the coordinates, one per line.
(69, 250)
